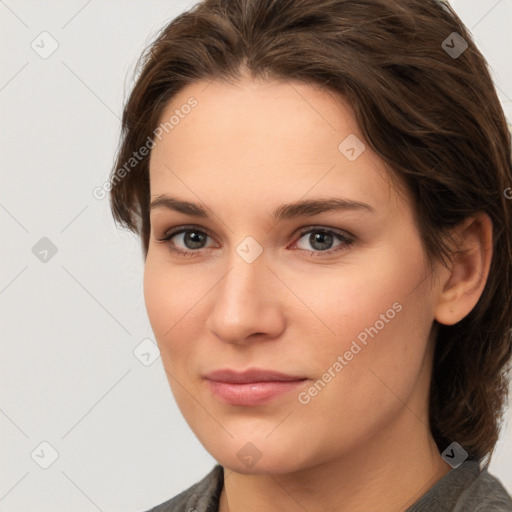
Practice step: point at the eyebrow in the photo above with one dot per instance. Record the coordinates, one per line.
(286, 211)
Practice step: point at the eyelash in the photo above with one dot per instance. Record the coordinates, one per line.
(347, 242)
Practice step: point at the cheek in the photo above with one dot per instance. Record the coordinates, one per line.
(367, 301)
(159, 304)
(170, 299)
(353, 399)
(377, 318)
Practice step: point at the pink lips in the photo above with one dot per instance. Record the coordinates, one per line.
(252, 387)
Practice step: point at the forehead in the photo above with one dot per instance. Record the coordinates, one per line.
(266, 139)
(256, 112)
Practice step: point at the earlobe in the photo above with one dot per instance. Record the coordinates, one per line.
(463, 284)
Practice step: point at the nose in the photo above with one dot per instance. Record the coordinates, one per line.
(247, 303)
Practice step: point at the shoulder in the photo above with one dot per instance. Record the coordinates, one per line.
(203, 496)
(466, 488)
(485, 494)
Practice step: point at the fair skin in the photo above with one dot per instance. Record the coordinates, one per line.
(363, 442)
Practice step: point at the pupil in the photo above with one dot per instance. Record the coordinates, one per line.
(195, 244)
(320, 237)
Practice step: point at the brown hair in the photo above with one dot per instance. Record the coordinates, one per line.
(433, 117)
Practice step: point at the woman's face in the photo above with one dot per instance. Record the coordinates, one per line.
(340, 297)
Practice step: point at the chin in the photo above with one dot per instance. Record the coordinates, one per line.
(254, 458)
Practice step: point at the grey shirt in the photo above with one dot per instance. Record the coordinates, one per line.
(466, 488)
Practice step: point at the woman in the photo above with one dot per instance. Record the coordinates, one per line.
(320, 191)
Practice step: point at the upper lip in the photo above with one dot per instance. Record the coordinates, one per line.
(251, 375)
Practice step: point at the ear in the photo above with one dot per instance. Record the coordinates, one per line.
(463, 283)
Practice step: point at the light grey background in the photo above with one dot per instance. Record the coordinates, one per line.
(68, 373)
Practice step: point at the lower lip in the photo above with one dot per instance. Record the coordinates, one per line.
(252, 393)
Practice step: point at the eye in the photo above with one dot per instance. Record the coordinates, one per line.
(191, 237)
(322, 239)
(193, 240)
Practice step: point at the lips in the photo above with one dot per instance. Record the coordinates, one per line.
(252, 375)
(251, 388)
